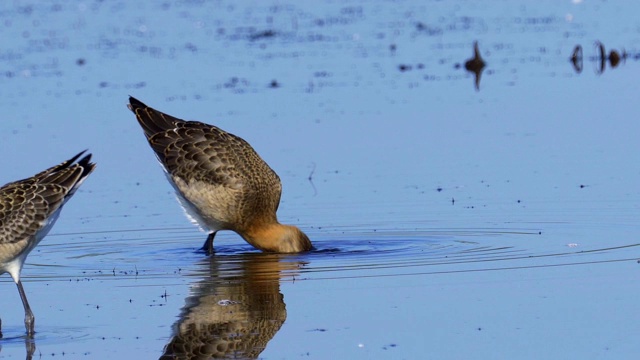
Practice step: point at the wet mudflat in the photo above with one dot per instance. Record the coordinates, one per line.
(450, 221)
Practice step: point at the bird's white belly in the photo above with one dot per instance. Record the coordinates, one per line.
(191, 211)
(14, 266)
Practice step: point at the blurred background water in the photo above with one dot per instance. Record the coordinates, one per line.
(450, 221)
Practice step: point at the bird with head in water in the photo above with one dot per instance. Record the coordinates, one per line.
(220, 181)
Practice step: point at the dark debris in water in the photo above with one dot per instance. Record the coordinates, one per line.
(475, 65)
(274, 84)
(237, 85)
(407, 67)
(137, 85)
(265, 34)
(429, 30)
(600, 59)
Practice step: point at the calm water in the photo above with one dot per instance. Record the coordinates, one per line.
(450, 222)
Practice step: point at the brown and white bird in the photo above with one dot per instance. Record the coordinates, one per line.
(28, 210)
(220, 181)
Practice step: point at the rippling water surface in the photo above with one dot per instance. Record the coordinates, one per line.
(451, 220)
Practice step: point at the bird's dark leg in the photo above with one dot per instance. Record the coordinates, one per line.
(208, 244)
(29, 319)
(0, 328)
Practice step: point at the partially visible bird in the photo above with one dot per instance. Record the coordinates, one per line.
(28, 210)
(220, 181)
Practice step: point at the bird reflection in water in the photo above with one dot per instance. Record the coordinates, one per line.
(234, 310)
(29, 344)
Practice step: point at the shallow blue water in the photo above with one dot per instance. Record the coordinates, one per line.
(449, 222)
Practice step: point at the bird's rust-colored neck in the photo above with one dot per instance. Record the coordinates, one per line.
(276, 237)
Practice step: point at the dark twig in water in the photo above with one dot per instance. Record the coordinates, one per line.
(576, 59)
(310, 178)
(602, 58)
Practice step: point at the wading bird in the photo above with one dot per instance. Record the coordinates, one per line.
(28, 210)
(220, 181)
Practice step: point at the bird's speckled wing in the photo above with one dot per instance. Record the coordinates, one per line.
(25, 205)
(195, 151)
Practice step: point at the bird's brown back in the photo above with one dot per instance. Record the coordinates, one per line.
(198, 152)
(26, 204)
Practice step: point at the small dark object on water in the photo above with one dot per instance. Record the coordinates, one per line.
(475, 64)
(310, 178)
(81, 62)
(615, 57)
(262, 35)
(274, 84)
(404, 68)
